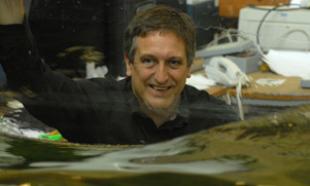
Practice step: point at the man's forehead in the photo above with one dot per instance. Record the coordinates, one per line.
(159, 32)
(161, 43)
(157, 36)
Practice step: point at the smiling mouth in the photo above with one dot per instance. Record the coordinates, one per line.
(160, 88)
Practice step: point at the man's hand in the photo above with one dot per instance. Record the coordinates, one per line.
(11, 12)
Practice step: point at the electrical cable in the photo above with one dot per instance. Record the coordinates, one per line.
(275, 8)
(231, 35)
(243, 80)
(229, 32)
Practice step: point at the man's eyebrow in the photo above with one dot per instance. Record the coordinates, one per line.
(175, 58)
(148, 56)
(167, 59)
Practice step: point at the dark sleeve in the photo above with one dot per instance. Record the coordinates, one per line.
(209, 110)
(58, 99)
(25, 68)
(78, 109)
(19, 59)
(223, 112)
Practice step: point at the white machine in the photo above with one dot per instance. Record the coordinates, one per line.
(280, 29)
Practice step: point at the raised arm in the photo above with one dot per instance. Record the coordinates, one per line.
(58, 101)
(11, 12)
(20, 58)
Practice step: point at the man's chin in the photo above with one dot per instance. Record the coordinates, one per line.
(160, 105)
(157, 106)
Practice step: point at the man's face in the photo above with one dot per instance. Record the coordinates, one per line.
(159, 69)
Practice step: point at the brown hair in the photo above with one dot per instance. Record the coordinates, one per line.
(161, 18)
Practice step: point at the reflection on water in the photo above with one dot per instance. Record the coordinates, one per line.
(272, 150)
(143, 160)
(7, 159)
(41, 158)
(34, 161)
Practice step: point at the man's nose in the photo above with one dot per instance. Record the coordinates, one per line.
(161, 74)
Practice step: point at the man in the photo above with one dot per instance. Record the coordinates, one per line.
(152, 104)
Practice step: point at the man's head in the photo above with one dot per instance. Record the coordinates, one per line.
(159, 49)
(161, 18)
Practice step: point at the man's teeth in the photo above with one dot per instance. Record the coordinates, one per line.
(160, 88)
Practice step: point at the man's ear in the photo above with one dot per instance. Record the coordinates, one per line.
(128, 65)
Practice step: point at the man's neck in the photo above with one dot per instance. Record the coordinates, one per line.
(160, 118)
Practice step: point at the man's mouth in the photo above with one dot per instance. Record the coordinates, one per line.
(160, 88)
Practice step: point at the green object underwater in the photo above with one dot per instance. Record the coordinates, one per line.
(51, 137)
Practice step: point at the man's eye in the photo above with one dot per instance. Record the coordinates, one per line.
(175, 63)
(148, 62)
